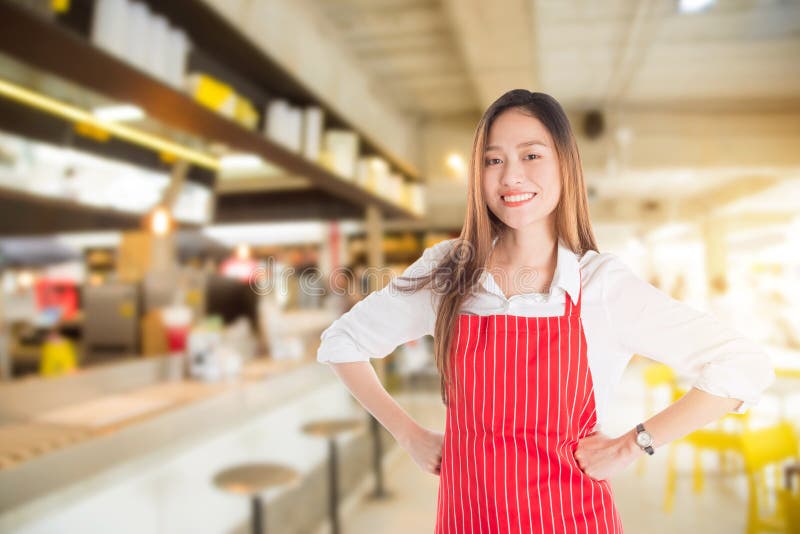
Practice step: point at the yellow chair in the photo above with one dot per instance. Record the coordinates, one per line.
(791, 498)
(785, 372)
(764, 451)
(656, 376)
(724, 439)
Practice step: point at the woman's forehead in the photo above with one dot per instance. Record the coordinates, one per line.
(513, 127)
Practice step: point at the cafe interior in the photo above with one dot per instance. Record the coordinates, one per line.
(192, 191)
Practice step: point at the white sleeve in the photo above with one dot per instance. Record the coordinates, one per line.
(385, 319)
(647, 321)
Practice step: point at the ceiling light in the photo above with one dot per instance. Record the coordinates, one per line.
(121, 113)
(25, 280)
(160, 221)
(238, 162)
(693, 6)
(243, 251)
(456, 163)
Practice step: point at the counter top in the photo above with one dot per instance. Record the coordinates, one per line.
(64, 446)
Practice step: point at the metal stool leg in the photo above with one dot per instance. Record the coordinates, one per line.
(377, 449)
(334, 485)
(257, 515)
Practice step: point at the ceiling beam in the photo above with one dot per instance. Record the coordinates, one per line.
(498, 44)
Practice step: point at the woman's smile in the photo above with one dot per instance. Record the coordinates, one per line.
(513, 199)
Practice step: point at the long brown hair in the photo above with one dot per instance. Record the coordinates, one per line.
(456, 275)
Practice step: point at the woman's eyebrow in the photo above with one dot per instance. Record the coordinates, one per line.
(525, 143)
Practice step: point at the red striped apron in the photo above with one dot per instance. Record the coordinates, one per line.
(523, 399)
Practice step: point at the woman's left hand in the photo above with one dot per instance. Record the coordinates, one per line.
(602, 457)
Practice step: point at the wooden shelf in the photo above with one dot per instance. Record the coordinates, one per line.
(277, 206)
(27, 214)
(211, 31)
(62, 52)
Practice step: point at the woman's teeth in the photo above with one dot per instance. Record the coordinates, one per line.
(518, 198)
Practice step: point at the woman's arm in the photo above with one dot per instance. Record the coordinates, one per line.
(423, 445)
(363, 383)
(602, 457)
(730, 371)
(696, 344)
(373, 328)
(694, 410)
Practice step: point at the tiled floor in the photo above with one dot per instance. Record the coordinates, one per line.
(720, 508)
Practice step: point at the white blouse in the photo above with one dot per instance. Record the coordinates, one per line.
(622, 315)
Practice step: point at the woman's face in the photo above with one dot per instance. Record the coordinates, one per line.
(521, 176)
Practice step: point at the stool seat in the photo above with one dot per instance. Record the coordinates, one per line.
(328, 428)
(249, 479)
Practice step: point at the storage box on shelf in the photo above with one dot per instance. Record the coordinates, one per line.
(341, 148)
(221, 98)
(313, 119)
(130, 31)
(416, 198)
(370, 172)
(284, 124)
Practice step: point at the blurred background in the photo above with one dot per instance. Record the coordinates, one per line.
(191, 191)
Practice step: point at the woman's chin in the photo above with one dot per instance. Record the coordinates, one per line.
(519, 221)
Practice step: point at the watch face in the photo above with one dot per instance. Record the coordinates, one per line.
(644, 439)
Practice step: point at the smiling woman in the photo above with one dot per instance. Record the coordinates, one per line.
(527, 380)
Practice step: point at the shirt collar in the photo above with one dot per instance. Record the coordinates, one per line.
(566, 275)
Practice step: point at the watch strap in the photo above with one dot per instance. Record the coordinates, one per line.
(649, 449)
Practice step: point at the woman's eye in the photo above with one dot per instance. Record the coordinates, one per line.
(493, 161)
(533, 156)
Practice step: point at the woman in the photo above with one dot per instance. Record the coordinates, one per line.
(532, 329)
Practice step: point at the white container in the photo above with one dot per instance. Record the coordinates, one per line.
(202, 348)
(275, 119)
(177, 55)
(417, 198)
(284, 124)
(381, 185)
(138, 35)
(380, 172)
(363, 175)
(394, 190)
(110, 26)
(293, 135)
(312, 132)
(158, 48)
(343, 148)
(102, 21)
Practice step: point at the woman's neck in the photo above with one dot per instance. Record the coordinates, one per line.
(516, 251)
(534, 246)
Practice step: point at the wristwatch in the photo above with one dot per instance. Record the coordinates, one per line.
(644, 440)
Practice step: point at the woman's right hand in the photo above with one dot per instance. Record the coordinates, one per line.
(425, 448)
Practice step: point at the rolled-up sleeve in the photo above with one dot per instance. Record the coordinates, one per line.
(694, 343)
(385, 319)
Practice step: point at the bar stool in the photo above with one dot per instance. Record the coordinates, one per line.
(251, 480)
(379, 492)
(330, 429)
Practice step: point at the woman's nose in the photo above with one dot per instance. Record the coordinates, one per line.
(512, 175)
